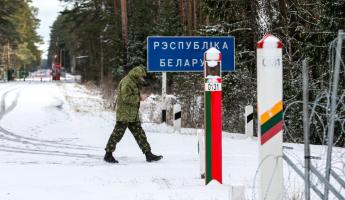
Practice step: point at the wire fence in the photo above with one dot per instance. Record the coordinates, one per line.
(327, 117)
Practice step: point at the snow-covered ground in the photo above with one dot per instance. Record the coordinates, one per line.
(52, 139)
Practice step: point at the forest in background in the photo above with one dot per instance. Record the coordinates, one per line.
(18, 35)
(103, 39)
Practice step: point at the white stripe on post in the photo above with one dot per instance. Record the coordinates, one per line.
(201, 151)
(177, 118)
(270, 121)
(249, 121)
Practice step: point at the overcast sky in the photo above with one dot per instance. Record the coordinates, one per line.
(47, 13)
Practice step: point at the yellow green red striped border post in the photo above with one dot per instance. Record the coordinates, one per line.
(271, 122)
(270, 117)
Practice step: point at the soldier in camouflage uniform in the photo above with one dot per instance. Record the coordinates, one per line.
(127, 116)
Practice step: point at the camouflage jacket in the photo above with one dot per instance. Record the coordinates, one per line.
(128, 96)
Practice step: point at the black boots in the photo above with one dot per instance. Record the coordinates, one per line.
(110, 158)
(149, 157)
(152, 157)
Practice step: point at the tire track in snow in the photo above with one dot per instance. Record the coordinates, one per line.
(23, 140)
(3, 110)
(39, 142)
(163, 183)
(4, 134)
(47, 152)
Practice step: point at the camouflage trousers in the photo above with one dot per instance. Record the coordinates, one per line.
(119, 131)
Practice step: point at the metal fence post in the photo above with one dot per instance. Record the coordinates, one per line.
(328, 185)
(300, 173)
(333, 109)
(306, 130)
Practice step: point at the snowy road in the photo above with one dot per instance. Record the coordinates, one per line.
(52, 137)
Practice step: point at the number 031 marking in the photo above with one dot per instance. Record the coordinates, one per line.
(213, 87)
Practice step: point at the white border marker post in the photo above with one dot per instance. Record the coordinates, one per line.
(201, 151)
(177, 118)
(270, 120)
(249, 121)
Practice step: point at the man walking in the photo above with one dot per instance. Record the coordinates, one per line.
(127, 116)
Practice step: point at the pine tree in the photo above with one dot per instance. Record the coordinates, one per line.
(168, 21)
(18, 24)
(141, 23)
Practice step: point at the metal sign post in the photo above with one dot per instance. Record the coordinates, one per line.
(213, 114)
(164, 94)
(270, 117)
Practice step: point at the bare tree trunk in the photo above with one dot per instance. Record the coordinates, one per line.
(8, 55)
(262, 16)
(207, 20)
(189, 15)
(101, 63)
(157, 3)
(283, 10)
(183, 14)
(124, 28)
(195, 16)
(124, 21)
(116, 6)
